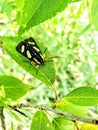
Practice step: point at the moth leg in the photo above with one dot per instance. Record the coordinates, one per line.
(37, 66)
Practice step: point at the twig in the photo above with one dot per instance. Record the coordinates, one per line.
(2, 118)
(15, 109)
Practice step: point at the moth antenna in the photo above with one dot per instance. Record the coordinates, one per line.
(45, 50)
(54, 57)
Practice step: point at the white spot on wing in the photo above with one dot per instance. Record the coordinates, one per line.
(34, 47)
(22, 48)
(31, 43)
(28, 54)
(36, 61)
(42, 56)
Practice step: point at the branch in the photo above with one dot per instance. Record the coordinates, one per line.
(60, 112)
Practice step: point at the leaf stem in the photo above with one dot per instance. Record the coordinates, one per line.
(55, 92)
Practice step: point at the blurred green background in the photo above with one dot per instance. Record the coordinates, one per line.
(68, 35)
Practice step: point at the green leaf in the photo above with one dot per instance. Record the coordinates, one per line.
(45, 9)
(19, 4)
(94, 13)
(61, 123)
(45, 73)
(12, 88)
(27, 10)
(40, 121)
(83, 96)
(71, 108)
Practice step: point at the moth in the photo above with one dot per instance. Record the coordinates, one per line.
(31, 51)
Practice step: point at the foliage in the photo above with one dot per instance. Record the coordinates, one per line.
(10, 86)
(40, 121)
(70, 36)
(45, 74)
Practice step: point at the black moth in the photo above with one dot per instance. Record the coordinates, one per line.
(31, 51)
